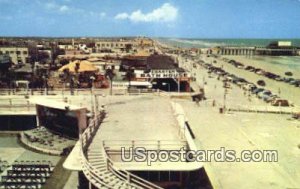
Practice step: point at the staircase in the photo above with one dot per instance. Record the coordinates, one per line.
(98, 161)
(99, 168)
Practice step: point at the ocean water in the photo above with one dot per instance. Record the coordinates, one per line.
(281, 64)
(278, 64)
(206, 43)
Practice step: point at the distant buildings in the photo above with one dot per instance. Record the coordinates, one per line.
(103, 65)
(4, 59)
(125, 45)
(5, 63)
(115, 45)
(83, 48)
(280, 44)
(17, 54)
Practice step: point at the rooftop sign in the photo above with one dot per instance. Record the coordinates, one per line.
(164, 74)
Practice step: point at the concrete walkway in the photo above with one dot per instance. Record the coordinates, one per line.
(242, 131)
(247, 131)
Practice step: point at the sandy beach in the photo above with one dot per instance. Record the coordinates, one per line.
(240, 131)
(282, 89)
(276, 64)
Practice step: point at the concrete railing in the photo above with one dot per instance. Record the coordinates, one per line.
(44, 91)
(16, 105)
(264, 109)
(85, 140)
(75, 91)
(111, 145)
(183, 128)
(129, 180)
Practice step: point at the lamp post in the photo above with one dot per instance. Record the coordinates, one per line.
(92, 80)
(164, 84)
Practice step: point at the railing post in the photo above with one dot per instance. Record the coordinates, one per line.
(158, 145)
(107, 164)
(86, 136)
(128, 178)
(28, 105)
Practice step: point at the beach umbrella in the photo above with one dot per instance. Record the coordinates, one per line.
(79, 66)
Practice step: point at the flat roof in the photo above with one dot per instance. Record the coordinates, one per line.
(43, 101)
(149, 122)
(139, 118)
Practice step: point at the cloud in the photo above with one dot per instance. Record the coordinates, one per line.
(102, 14)
(56, 7)
(165, 13)
(64, 8)
(96, 15)
(122, 16)
(70, 10)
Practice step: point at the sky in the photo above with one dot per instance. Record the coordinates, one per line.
(152, 18)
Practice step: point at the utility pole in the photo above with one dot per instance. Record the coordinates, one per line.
(178, 85)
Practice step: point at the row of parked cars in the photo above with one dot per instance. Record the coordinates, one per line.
(270, 75)
(252, 88)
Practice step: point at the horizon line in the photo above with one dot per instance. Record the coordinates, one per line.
(135, 36)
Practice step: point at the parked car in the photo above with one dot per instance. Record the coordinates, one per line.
(270, 98)
(288, 73)
(250, 68)
(296, 115)
(295, 82)
(248, 86)
(264, 93)
(257, 90)
(287, 80)
(292, 81)
(278, 78)
(260, 72)
(280, 102)
(261, 82)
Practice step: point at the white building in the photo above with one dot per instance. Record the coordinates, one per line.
(284, 43)
(17, 54)
(119, 45)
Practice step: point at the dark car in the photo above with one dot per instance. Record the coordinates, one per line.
(261, 82)
(257, 90)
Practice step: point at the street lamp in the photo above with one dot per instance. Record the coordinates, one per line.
(164, 84)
